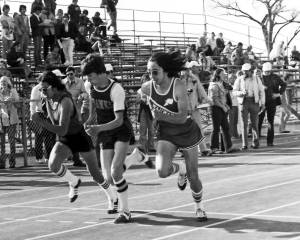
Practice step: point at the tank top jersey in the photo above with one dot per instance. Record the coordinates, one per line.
(104, 104)
(163, 102)
(75, 125)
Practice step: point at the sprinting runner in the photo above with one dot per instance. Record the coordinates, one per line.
(71, 136)
(113, 128)
(168, 102)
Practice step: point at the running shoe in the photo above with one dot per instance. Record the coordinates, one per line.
(201, 215)
(73, 193)
(113, 207)
(182, 181)
(124, 217)
(145, 157)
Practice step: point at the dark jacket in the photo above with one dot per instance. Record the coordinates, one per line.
(273, 84)
(36, 30)
(12, 57)
(72, 33)
(74, 12)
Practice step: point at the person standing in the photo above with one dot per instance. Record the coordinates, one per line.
(7, 24)
(22, 30)
(285, 112)
(274, 88)
(74, 12)
(71, 137)
(250, 95)
(36, 33)
(176, 131)
(113, 128)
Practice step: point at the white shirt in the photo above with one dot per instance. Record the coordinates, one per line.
(36, 96)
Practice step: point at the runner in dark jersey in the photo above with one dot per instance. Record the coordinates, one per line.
(71, 136)
(112, 128)
(176, 131)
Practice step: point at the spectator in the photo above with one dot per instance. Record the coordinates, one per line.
(212, 42)
(285, 113)
(74, 12)
(37, 3)
(196, 96)
(53, 59)
(67, 34)
(99, 42)
(277, 54)
(112, 12)
(86, 22)
(295, 56)
(48, 19)
(80, 97)
(227, 52)
(219, 112)
(220, 44)
(51, 5)
(206, 62)
(274, 88)
(98, 22)
(237, 56)
(82, 42)
(36, 33)
(249, 56)
(250, 95)
(9, 118)
(201, 42)
(22, 30)
(42, 135)
(7, 23)
(16, 60)
(191, 53)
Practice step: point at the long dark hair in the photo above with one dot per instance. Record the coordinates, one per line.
(216, 75)
(50, 78)
(171, 62)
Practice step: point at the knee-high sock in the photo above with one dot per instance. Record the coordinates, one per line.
(65, 174)
(122, 192)
(198, 199)
(110, 194)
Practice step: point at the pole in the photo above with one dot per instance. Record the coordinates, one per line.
(204, 15)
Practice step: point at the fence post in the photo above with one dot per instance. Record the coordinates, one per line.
(24, 135)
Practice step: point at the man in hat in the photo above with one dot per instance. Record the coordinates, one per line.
(274, 88)
(250, 95)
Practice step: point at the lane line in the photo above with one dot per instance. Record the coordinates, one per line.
(176, 207)
(227, 221)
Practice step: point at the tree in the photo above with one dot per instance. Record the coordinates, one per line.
(276, 18)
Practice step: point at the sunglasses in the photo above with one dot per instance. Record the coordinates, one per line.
(153, 72)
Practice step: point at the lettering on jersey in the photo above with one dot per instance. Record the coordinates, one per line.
(169, 101)
(157, 108)
(103, 104)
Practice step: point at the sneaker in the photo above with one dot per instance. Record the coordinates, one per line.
(244, 148)
(124, 217)
(145, 156)
(206, 153)
(73, 193)
(201, 215)
(113, 207)
(182, 181)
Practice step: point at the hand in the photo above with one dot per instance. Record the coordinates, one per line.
(244, 92)
(262, 108)
(92, 130)
(275, 95)
(37, 117)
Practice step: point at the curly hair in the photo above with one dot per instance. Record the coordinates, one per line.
(50, 78)
(93, 63)
(171, 62)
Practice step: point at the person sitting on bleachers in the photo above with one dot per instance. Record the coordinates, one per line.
(53, 58)
(82, 43)
(237, 56)
(99, 42)
(220, 43)
(226, 53)
(249, 56)
(85, 22)
(206, 62)
(201, 42)
(190, 53)
(98, 22)
(16, 60)
(295, 56)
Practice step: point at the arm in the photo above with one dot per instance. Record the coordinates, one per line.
(236, 91)
(213, 92)
(66, 110)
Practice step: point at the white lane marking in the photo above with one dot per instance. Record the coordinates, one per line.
(176, 207)
(226, 221)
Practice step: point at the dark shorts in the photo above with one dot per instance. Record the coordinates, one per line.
(108, 139)
(78, 142)
(184, 136)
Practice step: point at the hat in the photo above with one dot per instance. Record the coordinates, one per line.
(58, 73)
(193, 63)
(246, 67)
(108, 67)
(267, 66)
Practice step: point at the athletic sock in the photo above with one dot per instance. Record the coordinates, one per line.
(122, 192)
(111, 196)
(66, 174)
(198, 199)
